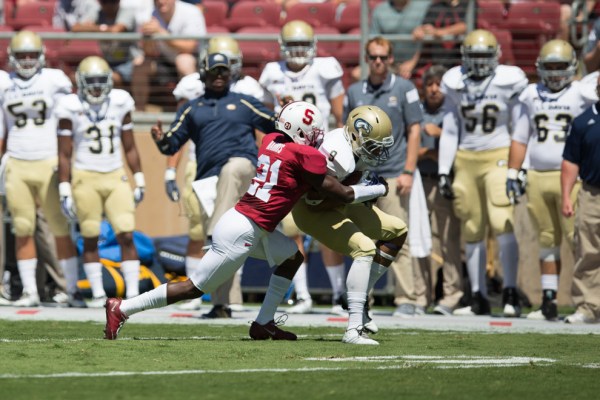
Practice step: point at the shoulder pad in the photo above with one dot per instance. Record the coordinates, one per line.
(67, 106)
(270, 69)
(250, 86)
(121, 98)
(591, 79)
(329, 68)
(588, 88)
(529, 92)
(338, 152)
(453, 79)
(509, 75)
(189, 87)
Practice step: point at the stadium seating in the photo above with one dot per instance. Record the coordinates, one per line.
(253, 13)
(34, 13)
(215, 12)
(3, 47)
(315, 14)
(327, 48)
(70, 54)
(349, 17)
(349, 52)
(490, 13)
(256, 53)
(504, 38)
(52, 45)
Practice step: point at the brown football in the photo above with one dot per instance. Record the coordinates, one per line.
(353, 178)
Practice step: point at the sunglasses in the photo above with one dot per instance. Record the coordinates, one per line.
(374, 57)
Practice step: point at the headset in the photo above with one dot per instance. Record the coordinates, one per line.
(203, 67)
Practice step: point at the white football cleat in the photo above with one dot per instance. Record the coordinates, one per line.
(27, 300)
(368, 325)
(97, 302)
(358, 336)
(302, 306)
(192, 305)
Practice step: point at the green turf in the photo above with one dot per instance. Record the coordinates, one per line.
(222, 363)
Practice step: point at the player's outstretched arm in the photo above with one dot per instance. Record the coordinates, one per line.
(329, 186)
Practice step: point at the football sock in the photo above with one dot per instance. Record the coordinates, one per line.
(356, 304)
(27, 272)
(278, 286)
(71, 271)
(131, 273)
(155, 298)
(93, 271)
(550, 282)
(377, 271)
(336, 277)
(476, 258)
(509, 258)
(300, 283)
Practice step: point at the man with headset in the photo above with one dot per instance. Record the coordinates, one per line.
(222, 123)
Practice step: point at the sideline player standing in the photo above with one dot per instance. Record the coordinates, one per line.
(288, 166)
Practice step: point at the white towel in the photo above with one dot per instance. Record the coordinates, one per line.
(206, 190)
(419, 227)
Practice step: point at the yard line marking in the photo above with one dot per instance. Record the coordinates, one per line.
(461, 361)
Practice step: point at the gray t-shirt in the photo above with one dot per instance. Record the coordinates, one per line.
(387, 20)
(399, 98)
(69, 12)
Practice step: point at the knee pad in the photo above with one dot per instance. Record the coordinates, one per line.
(90, 228)
(123, 223)
(549, 254)
(363, 246)
(197, 232)
(23, 227)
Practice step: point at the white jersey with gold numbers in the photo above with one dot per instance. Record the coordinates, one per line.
(27, 111)
(97, 129)
(546, 121)
(316, 83)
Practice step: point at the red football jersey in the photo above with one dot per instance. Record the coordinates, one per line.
(278, 183)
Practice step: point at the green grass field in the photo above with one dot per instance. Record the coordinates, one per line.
(68, 360)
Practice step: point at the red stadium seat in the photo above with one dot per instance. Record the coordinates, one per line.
(315, 14)
(256, 53)
(327, 48)
(3, 47)
(215, 12)
(253, 13)
(70, 55)
(349, 17)
(349, 52)
(217, 29)
(490, 13)
(35, 13)
(504, 39)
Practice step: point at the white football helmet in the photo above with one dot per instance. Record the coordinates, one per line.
(94, 80)
(26, 53)
(297, 42)
(556, 64)
(370, 130)
(480, 53)
(301, 121)
(230, 47)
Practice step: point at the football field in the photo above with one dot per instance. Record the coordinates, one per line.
(57, 353)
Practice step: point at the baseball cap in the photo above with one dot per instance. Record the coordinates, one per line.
(217, 60)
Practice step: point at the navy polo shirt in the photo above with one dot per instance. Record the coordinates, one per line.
(222, 126)
(583, 145)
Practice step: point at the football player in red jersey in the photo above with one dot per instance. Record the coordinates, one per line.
(289, 164)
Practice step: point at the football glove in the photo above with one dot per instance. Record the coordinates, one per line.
(445, 187)
(67, 205)
(140, 187)
(171, 184)
(516, 181)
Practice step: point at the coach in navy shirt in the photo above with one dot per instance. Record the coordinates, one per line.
(581, 157)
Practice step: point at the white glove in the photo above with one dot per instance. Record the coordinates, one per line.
(171, 184)
(140, 187)
(67, 205)
(3, 163)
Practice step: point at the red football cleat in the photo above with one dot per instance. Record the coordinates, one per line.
(270, 330)
(115, 319)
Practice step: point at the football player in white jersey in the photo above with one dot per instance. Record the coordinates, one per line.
(541, 131)
(190, 87)
(94, 132)
(300, 75)
(481, 101)
(28, 95)
(362, 143)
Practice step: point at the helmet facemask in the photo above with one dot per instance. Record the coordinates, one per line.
(94, 80)
(370, 130)
(26, 54)
(556, 64)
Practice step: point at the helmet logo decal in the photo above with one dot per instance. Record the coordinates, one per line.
(363, 127)
(287, 125)
(308, 116)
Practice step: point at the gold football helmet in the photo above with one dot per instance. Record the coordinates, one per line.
(370, 130)
(94, 80)
(480, 53)
(556, 64)
(230, 47)
(297, 42)
(26, 53)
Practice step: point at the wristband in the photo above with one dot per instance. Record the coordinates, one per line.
(139, 180)
(127, 127)
(65, 132)
(64, 189)
(170, 174)
(512, 173)
(407, 172)
(364, 193)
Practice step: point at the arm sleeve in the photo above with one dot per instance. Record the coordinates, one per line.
(262, 118)
(313, 161)
(178, 133)
(448, 142)
(413, 112)
(521, 127)
(572, 150)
